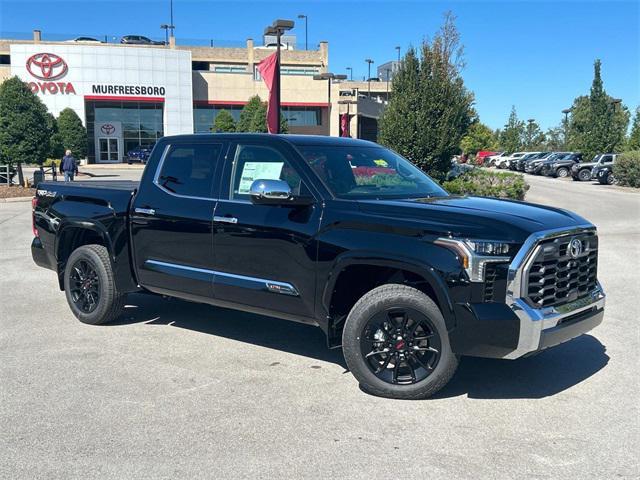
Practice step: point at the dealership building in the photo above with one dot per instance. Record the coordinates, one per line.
(131, 95)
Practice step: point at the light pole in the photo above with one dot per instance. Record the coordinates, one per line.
(369, 62)
(329, 77)
(277, 28)
(350, 70)
(398, 49)
(171, 24)
(388, 70)
(566, 112)
(306, 30)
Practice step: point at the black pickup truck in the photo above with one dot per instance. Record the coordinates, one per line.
(338, 233)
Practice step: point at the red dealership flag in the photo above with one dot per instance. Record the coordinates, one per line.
(269, 72)
(344, 125)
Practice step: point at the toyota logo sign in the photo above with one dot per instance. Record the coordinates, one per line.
(107, 129)
(47, 66)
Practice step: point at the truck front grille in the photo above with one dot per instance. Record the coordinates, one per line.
(560, 274)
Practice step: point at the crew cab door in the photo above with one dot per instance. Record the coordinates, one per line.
(265, 255)
(171, 220)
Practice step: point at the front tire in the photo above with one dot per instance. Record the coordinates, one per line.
(395, 343)
(89, 286)
(584, 175)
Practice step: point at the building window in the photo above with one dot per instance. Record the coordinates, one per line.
(204, 115)
(230, 69)
(200, 66)
(303, 116)
(142, 122)
(305, 71)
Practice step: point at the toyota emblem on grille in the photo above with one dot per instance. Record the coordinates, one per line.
(575, 247)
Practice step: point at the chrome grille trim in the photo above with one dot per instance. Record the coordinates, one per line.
(534, 320)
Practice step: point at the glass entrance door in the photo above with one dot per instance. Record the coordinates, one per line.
(108, 150)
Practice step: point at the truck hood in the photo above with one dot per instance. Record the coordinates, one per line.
(474, 217)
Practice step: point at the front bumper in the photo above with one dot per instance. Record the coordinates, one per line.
(514, 329)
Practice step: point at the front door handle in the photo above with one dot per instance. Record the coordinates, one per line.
(145, 211)
(228, 219)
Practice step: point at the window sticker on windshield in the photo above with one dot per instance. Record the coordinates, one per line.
(258, 171)
(381, 163)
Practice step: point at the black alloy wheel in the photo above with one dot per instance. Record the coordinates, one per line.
(396, 344)
(85, 286)
(401, 346)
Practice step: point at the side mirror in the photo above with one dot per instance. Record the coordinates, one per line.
(270, 192)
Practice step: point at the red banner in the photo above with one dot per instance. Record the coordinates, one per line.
(269, 72)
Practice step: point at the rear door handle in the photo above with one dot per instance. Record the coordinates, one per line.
(145, 211)
(217, 218)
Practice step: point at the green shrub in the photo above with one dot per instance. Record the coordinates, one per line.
(52, 161)
(626, 170)
(485, 183)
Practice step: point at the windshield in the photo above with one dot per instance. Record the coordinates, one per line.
(369, 172)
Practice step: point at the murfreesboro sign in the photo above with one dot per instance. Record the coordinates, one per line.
(49, 69)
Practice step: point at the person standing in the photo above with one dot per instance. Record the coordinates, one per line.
(68, 166)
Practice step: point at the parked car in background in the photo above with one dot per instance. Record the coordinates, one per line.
(505, 162)
(84, 40)
(139, 154)
(481, 156)
(603, 174)
(458, 169)
(492, 159)
(139, 40)
(582, 172)
(535, 167)
(561, 167)
(524, 164)
(518, 164)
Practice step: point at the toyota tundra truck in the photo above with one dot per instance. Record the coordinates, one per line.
(404, 277)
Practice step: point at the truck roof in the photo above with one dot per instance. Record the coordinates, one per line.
(290, 138)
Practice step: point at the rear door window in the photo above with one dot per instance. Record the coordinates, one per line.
(188, 170)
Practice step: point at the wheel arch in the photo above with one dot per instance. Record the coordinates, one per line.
(361, 272)
(74, 234)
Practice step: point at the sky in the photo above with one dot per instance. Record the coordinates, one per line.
(535, 55)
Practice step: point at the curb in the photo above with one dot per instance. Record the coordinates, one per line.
(15, 199)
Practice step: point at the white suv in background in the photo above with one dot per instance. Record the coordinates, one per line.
(503, 162)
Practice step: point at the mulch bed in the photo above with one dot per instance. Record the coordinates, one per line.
(16, 191)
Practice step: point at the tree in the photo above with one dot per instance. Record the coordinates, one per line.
(598, 122)
(554, 139)
(24, 135)
(56, 149)
(253, 117)
(533, 138)
(479, 137)
(72, 133)
(247, 113)
(224, 122)
(513, 133)
(633, 143)
(431, 109)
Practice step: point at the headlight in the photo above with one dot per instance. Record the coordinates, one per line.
(475, 254)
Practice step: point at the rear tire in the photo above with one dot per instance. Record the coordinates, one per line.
(562, 172)
(407, 324)
(89, 286)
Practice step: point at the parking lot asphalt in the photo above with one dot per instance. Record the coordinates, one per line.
(180, 390)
